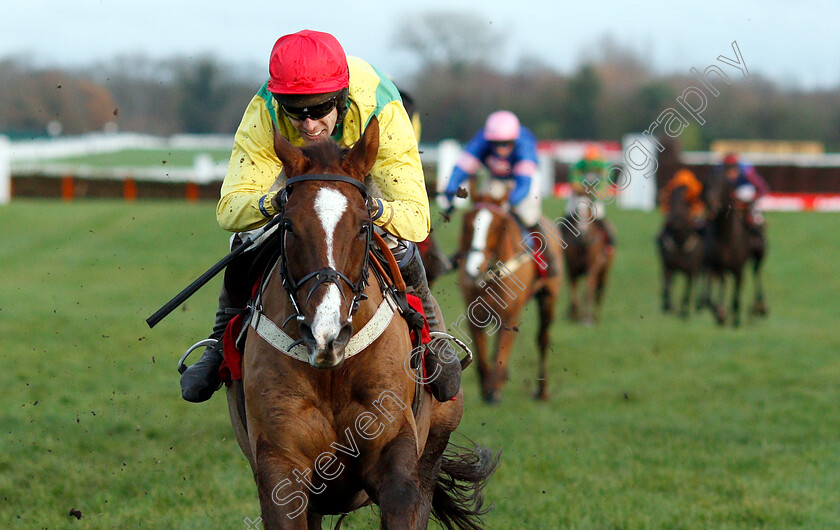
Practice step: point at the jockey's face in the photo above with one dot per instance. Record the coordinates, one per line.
(731, 172)
(502, 149)
(316, 130)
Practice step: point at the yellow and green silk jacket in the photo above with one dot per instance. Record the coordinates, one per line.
(397, 172)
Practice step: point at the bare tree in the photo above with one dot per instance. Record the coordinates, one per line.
(452, 40)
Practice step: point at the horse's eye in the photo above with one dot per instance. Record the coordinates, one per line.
(287, 226)
(363, 231)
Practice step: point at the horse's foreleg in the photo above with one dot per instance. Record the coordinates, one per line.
(574, 311)
(759, 307)
(395, 484)
(686, 300)
(736, 300)
(601, 286)
(667, 277)
(719, 299)
(589, 305)
(284, 499)
(499, 374)
(546, 306)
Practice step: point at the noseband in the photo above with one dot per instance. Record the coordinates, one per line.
(327, 274)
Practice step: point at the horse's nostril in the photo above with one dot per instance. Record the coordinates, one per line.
(344, 333)
(306, 332)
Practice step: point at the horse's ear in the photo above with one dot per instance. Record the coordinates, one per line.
(294, 161)
(362, 156)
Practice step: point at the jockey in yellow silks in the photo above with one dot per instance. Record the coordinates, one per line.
(316, 93)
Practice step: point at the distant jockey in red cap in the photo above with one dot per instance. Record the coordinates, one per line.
(748, 186)
(315, 93)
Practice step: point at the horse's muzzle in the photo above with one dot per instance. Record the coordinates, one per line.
(329, 351)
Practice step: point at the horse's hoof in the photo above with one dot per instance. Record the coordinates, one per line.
(541, 395)
(493, 397)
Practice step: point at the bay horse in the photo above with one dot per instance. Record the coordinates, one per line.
(586, 255)
(681, 249)
(498, 277)
(329, 421)
(733, 244)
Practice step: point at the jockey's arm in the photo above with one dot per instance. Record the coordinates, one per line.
(758, 182)
(252, 169)
(523, 176)
(457, 177)
(468, 163)
(520, 189)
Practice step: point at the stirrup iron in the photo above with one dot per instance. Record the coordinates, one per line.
(206, 343)
(441, 335)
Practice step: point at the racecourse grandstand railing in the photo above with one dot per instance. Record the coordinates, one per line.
(33, 168)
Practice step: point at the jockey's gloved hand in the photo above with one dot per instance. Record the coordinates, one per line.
(375, 208)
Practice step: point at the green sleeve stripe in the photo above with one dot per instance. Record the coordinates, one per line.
(269, 102)
(386, 92)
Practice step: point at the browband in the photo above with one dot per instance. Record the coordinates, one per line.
(330, 178)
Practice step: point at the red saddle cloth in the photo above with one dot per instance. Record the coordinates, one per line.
(539, 258)
(231, 367)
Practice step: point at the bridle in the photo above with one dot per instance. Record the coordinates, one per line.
(327, 274)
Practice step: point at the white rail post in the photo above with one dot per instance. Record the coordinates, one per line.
(640, 163)
(448, 153)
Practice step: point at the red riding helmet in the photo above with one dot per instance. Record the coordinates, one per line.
(307, 62)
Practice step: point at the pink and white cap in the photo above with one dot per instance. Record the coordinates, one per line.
(501, 126)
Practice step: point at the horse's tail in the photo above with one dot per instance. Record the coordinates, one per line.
(458, 498)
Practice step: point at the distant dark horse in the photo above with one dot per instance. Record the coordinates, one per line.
(681, 249)
(733, 244)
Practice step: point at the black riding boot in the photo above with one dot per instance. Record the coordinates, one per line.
(201, 380)
(439, 355)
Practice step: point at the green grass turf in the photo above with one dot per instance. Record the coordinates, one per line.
(654, 422)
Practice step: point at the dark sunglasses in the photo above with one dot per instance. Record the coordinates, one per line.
(313, 112)
(501, 145)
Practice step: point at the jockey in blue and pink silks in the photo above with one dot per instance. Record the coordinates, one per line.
(509, 153)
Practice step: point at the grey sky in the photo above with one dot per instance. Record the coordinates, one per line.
(795, 43)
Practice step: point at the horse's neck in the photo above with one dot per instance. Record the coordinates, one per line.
(510, 234)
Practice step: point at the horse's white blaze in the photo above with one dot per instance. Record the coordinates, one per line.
(481, 228)
(330, 206)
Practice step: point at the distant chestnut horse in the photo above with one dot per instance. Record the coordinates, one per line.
(498, 277)
(326, 397)
(587, 256)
